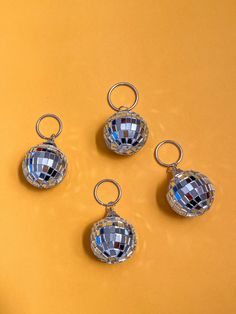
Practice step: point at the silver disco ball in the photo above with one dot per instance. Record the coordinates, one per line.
(125, 132)
(190, 193)
(113, 239)
(44, 166)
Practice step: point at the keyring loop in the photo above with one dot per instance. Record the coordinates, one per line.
(131, 86)
(48, 115)
(180, 150)
(112, 203)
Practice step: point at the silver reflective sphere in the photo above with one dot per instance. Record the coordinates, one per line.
(113, 239)
(190, 193)
(125, 132)
(44, 166)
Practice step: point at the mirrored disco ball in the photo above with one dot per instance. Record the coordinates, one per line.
(113, 239)
(125, 132)
(44, 166)
(190, 193)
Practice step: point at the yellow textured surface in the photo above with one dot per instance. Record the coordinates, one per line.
(62, 57)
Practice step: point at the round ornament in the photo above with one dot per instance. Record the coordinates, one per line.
(190, 193)
(112, 239)
(44, 165)
(125, 132)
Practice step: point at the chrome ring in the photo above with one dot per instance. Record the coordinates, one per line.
(112, 203)
(180, 150)
(131, 86)
(48, 115)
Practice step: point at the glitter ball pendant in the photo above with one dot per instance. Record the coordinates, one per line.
(113, 239)
(44, 166)
(125, 132)
(190, 193)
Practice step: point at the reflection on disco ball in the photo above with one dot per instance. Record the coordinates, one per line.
(190, 193)
(44, 166)
(113, 239)
(125, 132)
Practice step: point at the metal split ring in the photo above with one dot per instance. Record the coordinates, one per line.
(132, 87)
(180, 150)
(48, 115)
(112, 203)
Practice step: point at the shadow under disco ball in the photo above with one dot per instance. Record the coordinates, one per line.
(125, 132)
(44, 166)
(113, 239)
(190, 193)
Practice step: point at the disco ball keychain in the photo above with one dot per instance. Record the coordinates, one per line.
(190, 193)
(113, 239)
(125, 132)
(44, 165)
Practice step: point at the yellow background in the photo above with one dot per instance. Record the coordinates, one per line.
(62, 57)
